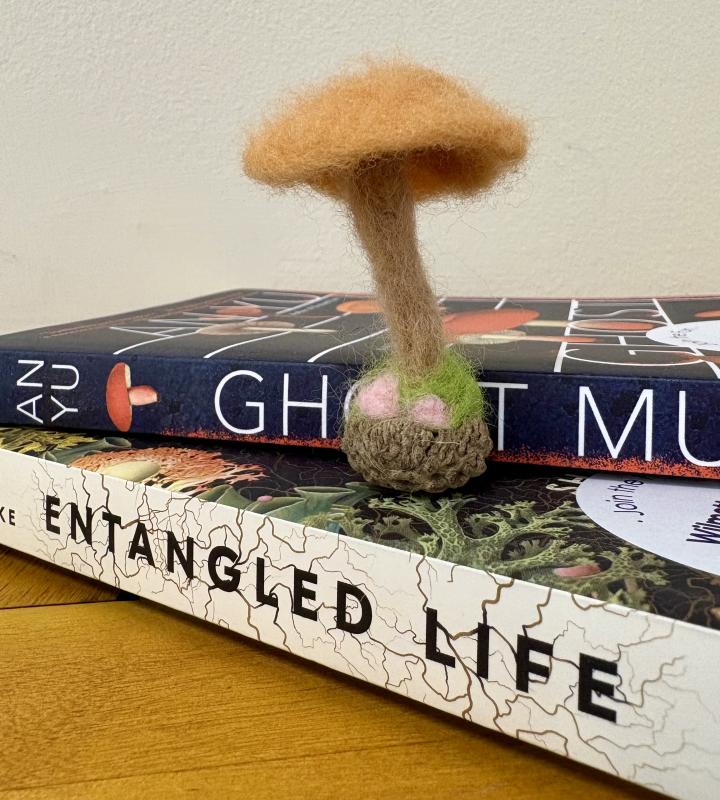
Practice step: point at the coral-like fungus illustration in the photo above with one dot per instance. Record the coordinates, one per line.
(178, 469)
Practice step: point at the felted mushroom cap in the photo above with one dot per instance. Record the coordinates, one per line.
(454, 141)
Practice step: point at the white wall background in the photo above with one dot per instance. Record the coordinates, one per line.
(121, 123)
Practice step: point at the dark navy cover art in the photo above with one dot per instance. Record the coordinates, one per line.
(630, 384)
(668, 337)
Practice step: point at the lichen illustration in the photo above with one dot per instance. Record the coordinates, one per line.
(511, 539)
(516, 540)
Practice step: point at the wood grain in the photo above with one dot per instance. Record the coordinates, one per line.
(26, 581)
(124, 700)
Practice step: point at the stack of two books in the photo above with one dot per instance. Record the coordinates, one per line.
(567, 605)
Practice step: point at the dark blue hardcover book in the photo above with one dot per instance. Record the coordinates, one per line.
(621, 384)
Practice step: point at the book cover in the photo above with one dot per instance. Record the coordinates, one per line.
(623, 384)
(578, 611)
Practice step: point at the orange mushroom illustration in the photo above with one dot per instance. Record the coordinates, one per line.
(121, 396)
(380, 140)
(238, 311)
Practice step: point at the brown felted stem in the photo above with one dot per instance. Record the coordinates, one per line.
(382, 207)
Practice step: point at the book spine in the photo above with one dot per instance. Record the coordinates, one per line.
(618, 689)
(276, 402)
(624, 423)
(616, 423)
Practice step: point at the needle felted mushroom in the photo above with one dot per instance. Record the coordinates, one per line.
(380, 140)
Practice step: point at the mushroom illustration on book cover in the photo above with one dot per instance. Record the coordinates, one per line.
(380, 140)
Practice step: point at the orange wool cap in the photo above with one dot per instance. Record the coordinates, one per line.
(453, 141)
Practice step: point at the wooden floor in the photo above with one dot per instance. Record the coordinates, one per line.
(103, 698)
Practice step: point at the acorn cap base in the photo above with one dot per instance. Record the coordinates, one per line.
(397, 453)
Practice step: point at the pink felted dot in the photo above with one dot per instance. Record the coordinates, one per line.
(431, 412)
(380, 398)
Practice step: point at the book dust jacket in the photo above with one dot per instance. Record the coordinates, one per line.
(579, 611)
(616, 384)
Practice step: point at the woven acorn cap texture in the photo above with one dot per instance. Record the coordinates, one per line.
(453, 140)
(400, 454)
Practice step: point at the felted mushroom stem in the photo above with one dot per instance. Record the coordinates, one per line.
(382, 207)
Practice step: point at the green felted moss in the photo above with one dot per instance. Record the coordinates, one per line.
(453, 381)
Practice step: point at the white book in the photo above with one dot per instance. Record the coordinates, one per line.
(578, 612)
